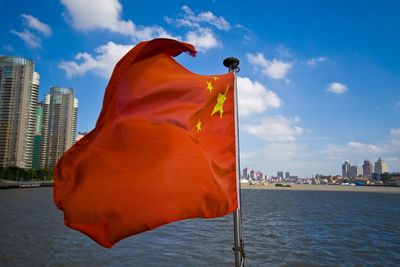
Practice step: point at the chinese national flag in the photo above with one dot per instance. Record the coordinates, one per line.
(163, 149)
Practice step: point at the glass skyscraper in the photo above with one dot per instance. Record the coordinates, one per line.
(19, 87)
(60, 110)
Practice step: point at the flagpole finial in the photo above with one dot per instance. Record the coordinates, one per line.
(232, 63)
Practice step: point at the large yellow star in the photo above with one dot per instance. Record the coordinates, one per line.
(219, 107)
(209, 86)
(198, 126)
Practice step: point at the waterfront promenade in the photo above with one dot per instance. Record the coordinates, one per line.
(7, 184)
(343, 188)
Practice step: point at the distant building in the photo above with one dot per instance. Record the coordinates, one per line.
(252, 174)
(245, 173)
(280, 174)
(367, 169)
(354, 171)
(259, 175)
(346, 169)
(381, 166)
(19, 88)
(61, 107)
(287, 175)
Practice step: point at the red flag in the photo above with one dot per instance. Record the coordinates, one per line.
(163, 149)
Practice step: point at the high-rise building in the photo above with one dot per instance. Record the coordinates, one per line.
(354, 171)
(287, 175)
(60, 113)
(367, 169)
(19, 88)
(45, 123)
(381, 166)
(38, 138)
(252, 174)
(346, 169)
(245, 173)
(280, 174)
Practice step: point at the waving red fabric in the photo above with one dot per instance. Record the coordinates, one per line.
(163, 149)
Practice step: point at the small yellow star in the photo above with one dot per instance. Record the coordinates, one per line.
(198, 126)
(216, 78)
(209, 86)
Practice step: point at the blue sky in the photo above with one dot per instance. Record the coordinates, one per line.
(319, 81)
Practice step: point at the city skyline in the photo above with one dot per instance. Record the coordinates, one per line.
(366, 170)
(319, 83)
(34, 134)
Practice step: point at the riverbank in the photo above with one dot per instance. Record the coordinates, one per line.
(343, 188)
(7, 184)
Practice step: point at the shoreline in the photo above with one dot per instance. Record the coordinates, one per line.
(8, 184)
(336, 188)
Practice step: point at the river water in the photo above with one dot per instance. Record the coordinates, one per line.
(281, 228)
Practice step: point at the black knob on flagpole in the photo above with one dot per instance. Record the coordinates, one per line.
(232, 64)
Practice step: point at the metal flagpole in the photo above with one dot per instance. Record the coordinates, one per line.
(232, 64)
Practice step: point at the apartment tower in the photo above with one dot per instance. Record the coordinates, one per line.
(19, 88)
(60, 117)
(367, 169)
(381, 166)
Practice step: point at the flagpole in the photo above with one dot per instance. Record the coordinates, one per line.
(232, 64)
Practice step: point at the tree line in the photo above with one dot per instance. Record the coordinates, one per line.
(385, 177)
(19, 174)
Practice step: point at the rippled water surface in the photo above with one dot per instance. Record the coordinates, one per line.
(281, 228)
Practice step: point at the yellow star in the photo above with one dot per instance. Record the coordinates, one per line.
(209, 86)
(219, 107)
(198, 126)
(216, 78)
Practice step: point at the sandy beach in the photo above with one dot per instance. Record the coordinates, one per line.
(343, 188)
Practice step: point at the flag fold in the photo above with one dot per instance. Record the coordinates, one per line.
(163, 149)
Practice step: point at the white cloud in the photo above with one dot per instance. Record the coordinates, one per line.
(30, 39)
(336, 88)
(276, 128)
(296, 157)
(106, 14)
(354, 149)
(193, 20)
(283, 51)
(8, 47)
(35, 24)
(202, 39)
(141, 33)
(314, 61)
(275, 69)
(395, 132)
(102, 64)
(253, 97)
(395, 137)
(283, 151)
(334, 152)
(368, 149)
(200, 34)
(359, 149)
(97, 14)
